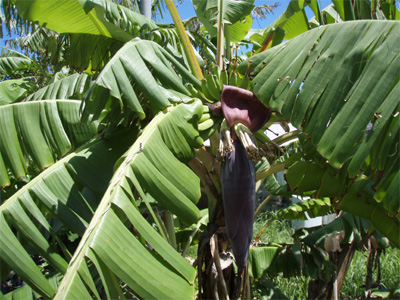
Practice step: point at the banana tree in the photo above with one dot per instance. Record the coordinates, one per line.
(115, 154)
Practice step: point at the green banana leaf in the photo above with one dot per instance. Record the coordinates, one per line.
(366, 10)
(233, 12)
(78, 193)
(309, 176)
(56, 191)
(333, 109)
(38, 133)
(114, 13)
(353, 227)
(14, 89)
(71, 86)
(240, 29)
(99, 30)
(291, 23)
(12, 61)
(293, 20)
(306, 208)
(68, 16)
(361, 194)
(139, 66)
(92, 38)
(144, 273)
(306, 256)
(71, 190)
(289, 260)
(94, 31)
(24, 292)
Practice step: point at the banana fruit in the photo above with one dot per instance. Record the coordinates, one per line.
(208, 123)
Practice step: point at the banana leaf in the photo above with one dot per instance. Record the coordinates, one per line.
(37, 133)
(138, 66)
(12, 61)
(333, 109)
(13, 90)
(71, 190)
(65, 88)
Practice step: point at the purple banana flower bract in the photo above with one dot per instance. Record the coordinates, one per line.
(238, 178)
(242, 106)
(238, 175)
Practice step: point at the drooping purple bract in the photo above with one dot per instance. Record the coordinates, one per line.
(242, 106)
(238, 175)
(238, 179)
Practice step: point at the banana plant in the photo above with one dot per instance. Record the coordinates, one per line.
(88, 162)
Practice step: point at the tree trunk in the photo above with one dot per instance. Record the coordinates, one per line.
(145, 8)
(216, 273)
(328, 289)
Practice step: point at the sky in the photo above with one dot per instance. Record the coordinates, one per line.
(186, 11)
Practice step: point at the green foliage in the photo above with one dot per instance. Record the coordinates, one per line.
(41, 130)
(354, 284)
(269, 235)
(337, 143)
(12, 62)
(90, 176)
(280, 234)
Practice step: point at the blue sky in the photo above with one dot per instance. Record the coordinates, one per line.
(186, 11)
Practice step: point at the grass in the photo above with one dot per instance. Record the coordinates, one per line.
(293, 288)
(280, 231)
(354, 284)
(277, 232)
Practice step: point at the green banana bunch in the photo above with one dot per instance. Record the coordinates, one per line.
(208, 123)
(215, 78)
(211, 85)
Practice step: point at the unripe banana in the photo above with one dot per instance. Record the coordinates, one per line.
(261, 136)
(216, 71)
(213, 87)
(224, 79)
(204, 117)
(193, 92)
(238, 80)
(207, 124)
(205, 90)
(207, 133)
(233, 79)
(245, 82)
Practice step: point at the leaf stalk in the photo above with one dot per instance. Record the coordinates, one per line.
(187, 46)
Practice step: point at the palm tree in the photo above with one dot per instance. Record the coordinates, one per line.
(102, 164)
